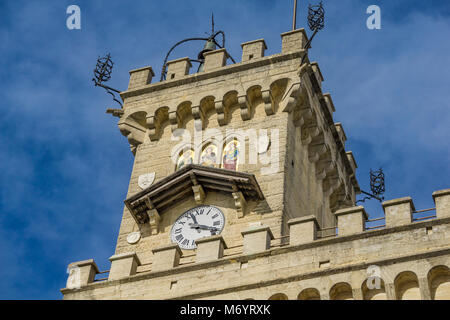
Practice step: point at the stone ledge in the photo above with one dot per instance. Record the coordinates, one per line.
(254, 41)
(258, 229)
(302, 30)
(85, 263)
(143, 69)
(124, 256)
(179, 60)
(352, 210)
(303, 219)
(211, 239)
(168, 247)
(441, 193)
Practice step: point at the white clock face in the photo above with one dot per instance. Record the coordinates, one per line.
(196, 223)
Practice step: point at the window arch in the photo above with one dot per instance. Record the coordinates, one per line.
(186, 157)
(210, 156)
(309, 294)
(341, 291)
(279, 296)
(439, 282)
(375, 292)
(407, 286)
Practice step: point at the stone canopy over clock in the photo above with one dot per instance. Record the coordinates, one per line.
(193, 180)
(196, 223)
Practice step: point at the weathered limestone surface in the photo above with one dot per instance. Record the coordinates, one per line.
(404, 255)
(275, 247)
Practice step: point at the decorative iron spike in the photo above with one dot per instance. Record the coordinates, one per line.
(316, 17)
(102, 73)
(377, 186)
(316, 22)
(103, 69)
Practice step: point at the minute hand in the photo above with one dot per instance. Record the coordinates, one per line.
(201, 226)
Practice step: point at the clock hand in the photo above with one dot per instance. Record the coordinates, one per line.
(193, 218)
(195, 221)
(201, 226)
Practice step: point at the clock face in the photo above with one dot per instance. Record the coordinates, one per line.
(196, 223)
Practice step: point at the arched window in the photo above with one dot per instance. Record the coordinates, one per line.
(439, 281)
(230, 155)
(407, 286)
(210, 157)
(309, 294)
(341, 291)
(375, 290)
(279, 296)
(186, 157)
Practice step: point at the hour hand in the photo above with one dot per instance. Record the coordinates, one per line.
(193, 218)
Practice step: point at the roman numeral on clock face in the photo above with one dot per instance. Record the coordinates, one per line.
(216, 223)
(179, 237)
(215, 216)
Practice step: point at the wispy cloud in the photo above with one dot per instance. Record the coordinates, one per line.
(65, 166)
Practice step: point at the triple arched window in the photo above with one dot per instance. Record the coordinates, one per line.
(226, 157)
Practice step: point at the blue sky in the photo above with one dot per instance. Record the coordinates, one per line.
(65, 165)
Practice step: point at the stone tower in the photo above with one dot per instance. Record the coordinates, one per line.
(241, 174)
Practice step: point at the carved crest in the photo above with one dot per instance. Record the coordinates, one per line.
(146, 180)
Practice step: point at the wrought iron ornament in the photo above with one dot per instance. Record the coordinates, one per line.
(316, 22)
(316, 17)
(102, 73)
(377, 186)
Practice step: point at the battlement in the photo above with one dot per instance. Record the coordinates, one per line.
(409, 250)
(148, 106)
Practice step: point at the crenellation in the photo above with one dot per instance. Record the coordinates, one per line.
(294, 40)
(178, 68)
(398, 211)
(253, 49)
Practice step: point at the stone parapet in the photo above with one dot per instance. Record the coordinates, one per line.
(81, 273)
(210, 248)
(303, 230)
(257, 239)
(123, 265)
(351, 220)
(140, 77)
(398, 211)
(442, 201)
(166, 257)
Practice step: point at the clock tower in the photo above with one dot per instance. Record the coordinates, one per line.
(240, 174)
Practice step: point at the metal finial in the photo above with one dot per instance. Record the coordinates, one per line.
(103, 69)
(316, 22)
(102, 73)
(316, 17)
(377, 186)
